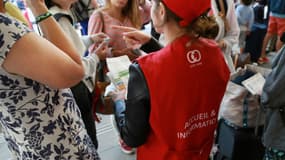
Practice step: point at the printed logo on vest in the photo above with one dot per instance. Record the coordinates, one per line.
(194, 56)
(198, 122)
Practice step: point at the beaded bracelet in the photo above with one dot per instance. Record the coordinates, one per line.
(43, 17)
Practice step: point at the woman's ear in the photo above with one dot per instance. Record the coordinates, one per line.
(162, 11)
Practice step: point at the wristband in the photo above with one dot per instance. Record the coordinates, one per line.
(43, 17)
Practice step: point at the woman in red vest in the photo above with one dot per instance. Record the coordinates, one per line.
(174, 94)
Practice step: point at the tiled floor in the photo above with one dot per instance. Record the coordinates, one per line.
(108, 142)
(4, 152)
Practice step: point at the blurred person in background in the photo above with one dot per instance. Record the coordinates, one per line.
(272, 101)
(276, 26)
(224, 12)
(82, 10)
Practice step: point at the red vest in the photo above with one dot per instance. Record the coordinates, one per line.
(186, 86)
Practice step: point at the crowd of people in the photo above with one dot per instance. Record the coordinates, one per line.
(170, 107)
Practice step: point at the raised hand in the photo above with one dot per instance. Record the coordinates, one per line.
(102, 50)
(99, 37)
(134, 38)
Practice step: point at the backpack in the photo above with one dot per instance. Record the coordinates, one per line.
(82, 10)
(57, 16)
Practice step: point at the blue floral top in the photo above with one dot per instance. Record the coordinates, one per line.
(38, 122)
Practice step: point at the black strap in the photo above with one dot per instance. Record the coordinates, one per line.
(245, 111)
(102, 65)
(57, 16)
(282, 114)
(86, 6)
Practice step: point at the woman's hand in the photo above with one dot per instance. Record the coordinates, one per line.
(126, 51)
(99, 37)
(134, 38)
(102, 50)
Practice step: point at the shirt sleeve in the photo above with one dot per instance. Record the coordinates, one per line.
(251, 19)
(274, 84)
(134, 126)
(95, 25)
(11, 31)
(151, 46)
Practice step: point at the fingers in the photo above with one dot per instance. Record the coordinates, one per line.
(99, 37)
(138, 36)
(123, 28)
(134, 35)
(132, 43)
(102, 35)
(102, 50)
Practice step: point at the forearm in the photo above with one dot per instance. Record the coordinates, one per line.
(86, 40)
(151, 46)
(90, 64)
(53, 32)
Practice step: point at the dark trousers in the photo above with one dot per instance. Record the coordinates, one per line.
(83, 99)
(254, 43)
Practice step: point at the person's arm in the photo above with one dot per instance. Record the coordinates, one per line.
(238, 12)
(133, 121)
(36, 58)
(138, 39)
(53, 32)
(97, 38)
(232, 35)
(251, 21)
(95, 25)
(91, 62)
(151, 46)
(275, 83)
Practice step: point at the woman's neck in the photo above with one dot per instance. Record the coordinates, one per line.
(172, 32)
(65, 7)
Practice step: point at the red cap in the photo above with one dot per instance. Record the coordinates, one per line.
(187, 10)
